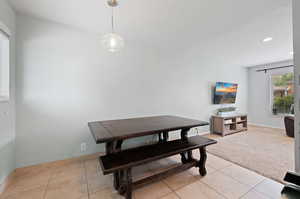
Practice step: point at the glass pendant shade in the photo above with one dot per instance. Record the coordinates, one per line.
(113, 42)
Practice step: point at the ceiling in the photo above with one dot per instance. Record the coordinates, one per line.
(177, 24)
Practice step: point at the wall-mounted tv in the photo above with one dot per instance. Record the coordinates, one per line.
(225, 93)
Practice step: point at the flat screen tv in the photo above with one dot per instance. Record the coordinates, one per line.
(225, 93)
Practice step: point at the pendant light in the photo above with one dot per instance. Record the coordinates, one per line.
(112, 41)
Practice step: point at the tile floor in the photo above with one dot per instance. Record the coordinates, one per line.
(82, 179)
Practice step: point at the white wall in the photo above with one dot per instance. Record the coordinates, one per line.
(65, 79)
(259, 92)
(296, 18)
(4, 67)
(7, 109)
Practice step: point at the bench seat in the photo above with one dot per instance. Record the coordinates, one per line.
(137, 156)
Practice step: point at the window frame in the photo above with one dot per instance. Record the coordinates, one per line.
(271, 90)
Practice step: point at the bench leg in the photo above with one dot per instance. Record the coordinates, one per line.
(203, 157)
(128, 181)
(116, 180)
(184, 156)
(114, 147)
(190, 155)
(121, 188)
(125, 187)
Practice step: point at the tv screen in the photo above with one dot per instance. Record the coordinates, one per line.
(225, 93)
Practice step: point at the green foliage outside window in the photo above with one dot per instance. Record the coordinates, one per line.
(283, 80)
(283, 104)
(283, 93)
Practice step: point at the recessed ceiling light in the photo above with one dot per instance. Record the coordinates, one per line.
(291, 53)
(267, 39)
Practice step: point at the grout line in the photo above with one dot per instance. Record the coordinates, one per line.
(172, 191)
(214, 189)
(253, 189)
(260, 191)
(243, 182)
(246, 193)
(46, 189)
(86, 178)
(177, 194)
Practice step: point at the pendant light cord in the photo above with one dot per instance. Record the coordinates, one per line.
(112, 20)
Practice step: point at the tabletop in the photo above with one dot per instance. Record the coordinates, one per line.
(111, 130)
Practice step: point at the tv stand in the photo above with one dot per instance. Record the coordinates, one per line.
(226, 125)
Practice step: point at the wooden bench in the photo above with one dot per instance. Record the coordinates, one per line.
(123, 161)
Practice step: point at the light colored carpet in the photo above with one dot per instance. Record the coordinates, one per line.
(266, 151)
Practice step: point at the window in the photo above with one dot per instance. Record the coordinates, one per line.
(4, 66)
(283, 93)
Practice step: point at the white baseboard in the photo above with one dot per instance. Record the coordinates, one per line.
(263, 125)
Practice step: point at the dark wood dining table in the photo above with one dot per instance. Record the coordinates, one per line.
(114, 132)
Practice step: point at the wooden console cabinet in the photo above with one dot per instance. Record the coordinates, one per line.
(226, 125)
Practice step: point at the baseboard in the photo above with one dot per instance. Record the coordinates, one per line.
(7, 181)
(10, 178)
(263, 125)
(61, 162)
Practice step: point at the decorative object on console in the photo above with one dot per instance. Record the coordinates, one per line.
(227, 111)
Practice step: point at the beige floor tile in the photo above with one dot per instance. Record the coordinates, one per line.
(94, 156)
(70, 165)
(229, 187)
(162, 165)
(179, 180)
(36, 193)
(269, 188)
(29, 179)
(65, 163)
(69, 173)
(92, 164)
(72, 179)
(99, 182)
(170, 196)
(198, 190)
(33, 170)
(141, 172)
(66, 189)
(254, 195)
(216, 162)
(243, 175)
(107, 193)
(92, 169)
(175, 158)
(152, 191)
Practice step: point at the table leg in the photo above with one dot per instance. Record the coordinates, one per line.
(114, 147)
(190, 155)
(184, 156)
(109, 147)
(165, 136)
(160, 137)
(184, 134)
(203, 157)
